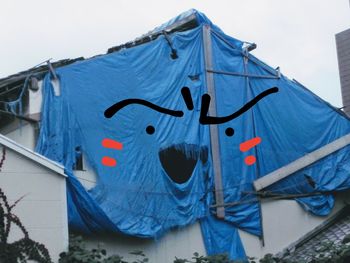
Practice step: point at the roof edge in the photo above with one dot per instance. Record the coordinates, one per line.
(38, 158)
(314, 232)
(181, 23)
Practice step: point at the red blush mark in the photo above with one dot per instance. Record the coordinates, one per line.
(245, 146)
(112, 144)
(108, 161)
(250, 160)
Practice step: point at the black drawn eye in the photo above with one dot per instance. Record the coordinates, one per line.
(150, 129)
(229, 131)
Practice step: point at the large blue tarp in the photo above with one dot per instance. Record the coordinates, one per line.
(139, 196)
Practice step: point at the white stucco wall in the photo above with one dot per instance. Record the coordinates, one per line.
(181, 243)
(43, 209)
(284, 222)
(24, 135)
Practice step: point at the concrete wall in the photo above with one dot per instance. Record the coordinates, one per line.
(43, 209)
(24, 134)
(284, 222)
(181, 243)
(343, 52)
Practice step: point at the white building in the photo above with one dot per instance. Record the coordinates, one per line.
(40, 185)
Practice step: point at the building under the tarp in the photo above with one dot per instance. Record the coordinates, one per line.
(203, 147)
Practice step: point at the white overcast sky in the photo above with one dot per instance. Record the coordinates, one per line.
(297, 35)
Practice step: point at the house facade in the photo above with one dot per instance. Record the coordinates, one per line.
(39, 186)
(283, 220)
(343, 52)
(343, 42)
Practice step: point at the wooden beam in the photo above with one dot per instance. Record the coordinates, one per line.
(301, 163)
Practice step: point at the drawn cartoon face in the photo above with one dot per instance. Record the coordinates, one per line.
(175, 159)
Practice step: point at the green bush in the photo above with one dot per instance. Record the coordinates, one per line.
(78, 253)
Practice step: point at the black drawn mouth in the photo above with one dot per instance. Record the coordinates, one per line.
(180, 160)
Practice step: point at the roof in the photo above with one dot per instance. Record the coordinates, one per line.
(12, 86)
(186, 21)
(335, 229)
(37, 158)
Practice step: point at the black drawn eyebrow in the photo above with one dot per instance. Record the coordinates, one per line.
(186, 94)
(205, 119)
(109, 113)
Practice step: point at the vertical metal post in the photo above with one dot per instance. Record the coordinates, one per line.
(245, 61)
(214, 136)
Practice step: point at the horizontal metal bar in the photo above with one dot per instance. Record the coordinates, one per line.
(241, 74)
(247, 55)
(301, 163)
(19, 116)
(274, 197)
(12, 89)
(228, 43)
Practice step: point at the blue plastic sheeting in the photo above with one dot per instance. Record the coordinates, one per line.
(222, 237)
(139, 196)
(16, 106)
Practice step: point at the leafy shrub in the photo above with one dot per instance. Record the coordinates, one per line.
(78, 253)
(326, 253)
